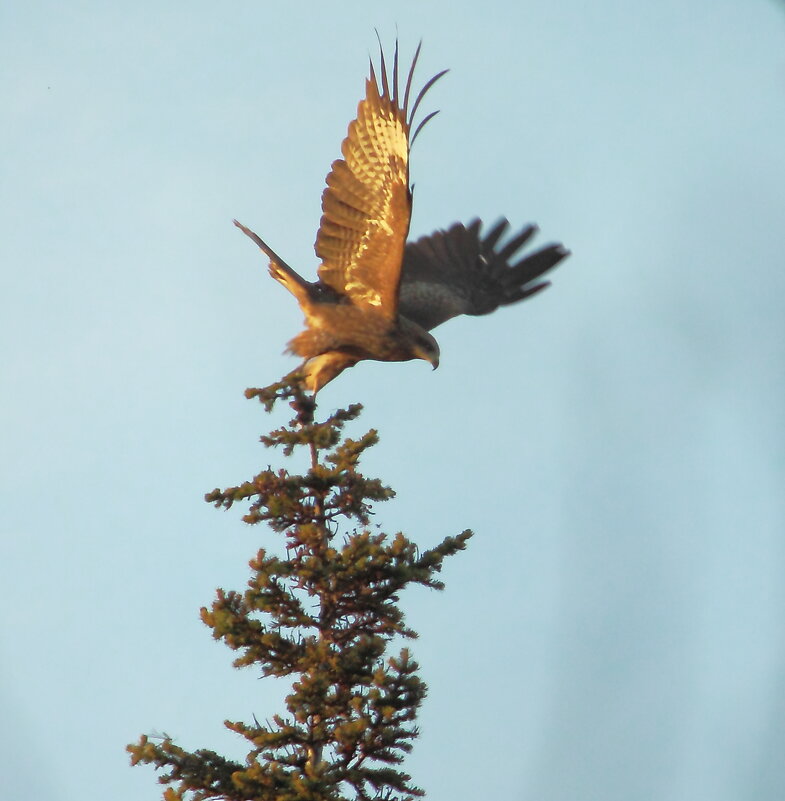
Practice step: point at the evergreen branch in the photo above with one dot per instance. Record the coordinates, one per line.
(203, 774)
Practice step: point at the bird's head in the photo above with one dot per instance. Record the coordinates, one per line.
(426, 348)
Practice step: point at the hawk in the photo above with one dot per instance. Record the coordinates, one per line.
(377, 296)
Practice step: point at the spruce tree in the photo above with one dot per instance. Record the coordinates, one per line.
(323, 613)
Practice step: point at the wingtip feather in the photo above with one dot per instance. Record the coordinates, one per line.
(409, 80)
(423, 91)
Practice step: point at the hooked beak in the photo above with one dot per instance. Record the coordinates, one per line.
(431, 358)
(427, 354)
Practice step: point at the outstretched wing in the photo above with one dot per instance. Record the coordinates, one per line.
(367, 203)
(459, 272)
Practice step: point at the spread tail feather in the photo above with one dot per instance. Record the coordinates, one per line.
(279, 269)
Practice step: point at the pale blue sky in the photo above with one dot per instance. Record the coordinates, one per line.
(615, 630)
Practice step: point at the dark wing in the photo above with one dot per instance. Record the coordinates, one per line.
(460, 272)
(367, 203)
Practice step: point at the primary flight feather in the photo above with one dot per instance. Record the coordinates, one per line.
(377, 297)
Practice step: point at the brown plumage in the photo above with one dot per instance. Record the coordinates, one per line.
(377, 297)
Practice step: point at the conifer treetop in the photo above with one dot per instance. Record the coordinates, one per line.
(322, 614)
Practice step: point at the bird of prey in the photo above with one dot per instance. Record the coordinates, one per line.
(377, 296)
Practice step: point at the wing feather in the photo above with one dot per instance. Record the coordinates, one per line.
(366, 207)
(460, 272)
